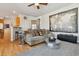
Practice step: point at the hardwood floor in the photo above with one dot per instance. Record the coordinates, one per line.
(8, 48)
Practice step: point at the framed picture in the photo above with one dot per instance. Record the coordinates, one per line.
(64, 21)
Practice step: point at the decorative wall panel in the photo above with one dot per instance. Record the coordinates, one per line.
(64, 21)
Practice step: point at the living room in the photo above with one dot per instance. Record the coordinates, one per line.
(27, 28)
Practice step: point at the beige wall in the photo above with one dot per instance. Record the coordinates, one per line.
(44, 22)
(26, 23)
(44, 19)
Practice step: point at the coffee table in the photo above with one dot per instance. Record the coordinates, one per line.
(52, 42)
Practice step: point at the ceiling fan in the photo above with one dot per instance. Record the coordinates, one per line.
(37, 5)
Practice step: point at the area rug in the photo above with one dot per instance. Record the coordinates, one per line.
(66, 49)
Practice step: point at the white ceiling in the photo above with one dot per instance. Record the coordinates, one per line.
(6, 9)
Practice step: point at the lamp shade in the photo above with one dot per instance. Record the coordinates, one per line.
(17, 21)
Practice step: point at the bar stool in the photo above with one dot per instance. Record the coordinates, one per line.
(21, 37)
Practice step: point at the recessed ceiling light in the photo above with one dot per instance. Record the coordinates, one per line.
(14, 12)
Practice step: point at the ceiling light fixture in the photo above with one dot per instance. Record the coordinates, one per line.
(36, 4)
(14, 12)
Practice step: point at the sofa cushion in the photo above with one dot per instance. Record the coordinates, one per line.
(36, 33)
(40, 32)
(33, 34)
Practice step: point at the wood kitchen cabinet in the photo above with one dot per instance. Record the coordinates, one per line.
(1, 33)
(1, 28)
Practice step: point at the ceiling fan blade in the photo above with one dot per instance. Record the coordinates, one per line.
(30, 4)
(43, 3)
(38, 7)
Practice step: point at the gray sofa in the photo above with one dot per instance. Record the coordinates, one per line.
(36, 36)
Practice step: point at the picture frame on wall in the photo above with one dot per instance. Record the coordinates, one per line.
(64, 21)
